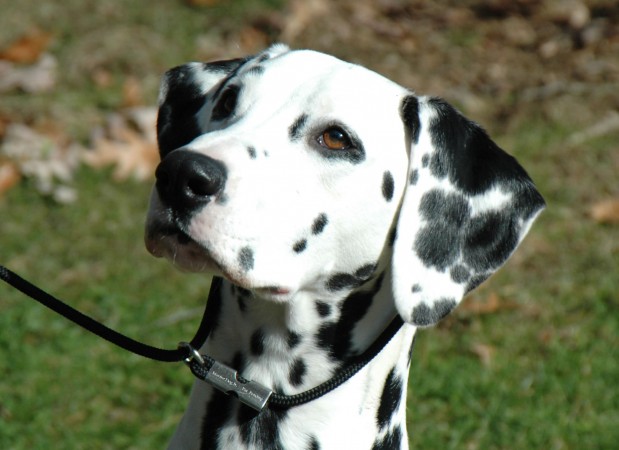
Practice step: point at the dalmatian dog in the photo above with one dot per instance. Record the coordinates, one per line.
(326, 200)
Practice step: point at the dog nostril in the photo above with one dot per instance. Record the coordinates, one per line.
(203, 185)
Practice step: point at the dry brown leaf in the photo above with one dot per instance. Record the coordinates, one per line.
(132, 92)
(28, 48)
(484, 352)
(131, 149)
(9, 176)
(606, 211)
(477, 306)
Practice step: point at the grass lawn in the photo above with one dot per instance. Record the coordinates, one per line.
(527, 362)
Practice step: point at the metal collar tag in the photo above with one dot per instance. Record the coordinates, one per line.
(249, 392)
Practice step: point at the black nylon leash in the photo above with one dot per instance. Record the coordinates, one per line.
(202, 366)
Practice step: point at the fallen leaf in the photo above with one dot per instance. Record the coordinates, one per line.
(9, 176)
(132, 92)
(487, 306)
(48, 158)
(129, 143)
(28, 48)
(484, 352)
(606, 211)
(39, 77)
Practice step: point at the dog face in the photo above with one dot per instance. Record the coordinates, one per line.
(292, 171)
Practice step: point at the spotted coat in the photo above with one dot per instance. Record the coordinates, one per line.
(326, 200)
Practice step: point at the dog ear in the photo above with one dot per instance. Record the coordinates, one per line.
(466, 208)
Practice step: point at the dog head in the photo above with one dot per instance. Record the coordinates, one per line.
(293, 171)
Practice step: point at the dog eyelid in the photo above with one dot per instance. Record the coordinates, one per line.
(226, 103)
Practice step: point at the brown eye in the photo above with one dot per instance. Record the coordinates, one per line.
(335, 138)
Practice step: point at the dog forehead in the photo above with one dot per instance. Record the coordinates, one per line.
(313, 75)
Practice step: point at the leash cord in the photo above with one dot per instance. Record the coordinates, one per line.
(90, 324)
(202, 365)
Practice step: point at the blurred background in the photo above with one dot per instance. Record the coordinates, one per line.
(530, 358)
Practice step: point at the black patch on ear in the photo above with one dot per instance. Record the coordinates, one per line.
(246, 259)
(459, 274)
(423, 315)
(296, 128)
(319, 224)
(388, 186)
(409, 111)
(490, 238)
(297, 372)
(389, 400)
(438, 243)
(472, 161)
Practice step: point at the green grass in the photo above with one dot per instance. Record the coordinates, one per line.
(551, 383)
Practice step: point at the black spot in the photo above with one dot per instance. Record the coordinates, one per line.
(252, 152)
(391, 441)
(459, 274)
(414, 177)
(260, 429)
(489, 239)
(388, 186)
(176, 122)
(313, 444)
(295, 130)
(319, 224)
(425, 160)
(256, 344)
(416, 288)
(293, 339)
(324, 309)
(341, 281)
(299, 246)
(246, 259)
(218, 411)
(423, 315)
(336, 337)
(409, 111)
(389, 399)
(365, 272)
(439, 242)
(297, 372)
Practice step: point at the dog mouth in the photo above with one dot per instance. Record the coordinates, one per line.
(189, 255)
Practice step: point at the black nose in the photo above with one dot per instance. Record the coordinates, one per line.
(187, 180)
